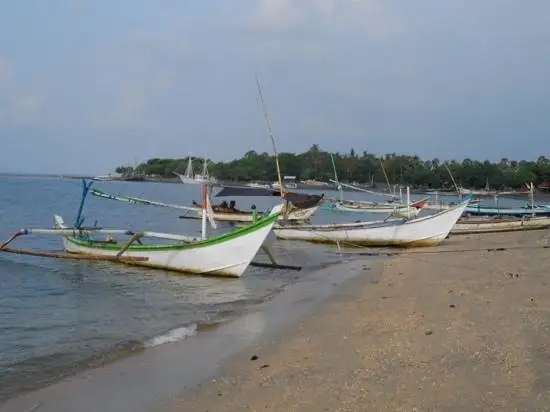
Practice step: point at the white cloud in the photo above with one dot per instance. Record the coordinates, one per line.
(374, 18)
(16, 104)
(140, 73)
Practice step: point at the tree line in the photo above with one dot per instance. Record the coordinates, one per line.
(316, 164)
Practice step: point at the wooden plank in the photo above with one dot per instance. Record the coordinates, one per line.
(75, 256)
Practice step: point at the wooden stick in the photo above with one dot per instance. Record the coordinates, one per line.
(74, 256)
(12, 238)
(134, 238)
(275, 266)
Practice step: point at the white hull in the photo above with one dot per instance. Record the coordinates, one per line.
(298, 215)
(426, 231)
(384, 208)
(215, 256)
(500, 225)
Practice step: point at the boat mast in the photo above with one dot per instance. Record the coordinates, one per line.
(532, 196)
(386, 177)
(205, 168)
(204, 200)
(189, 169)
(459, 192)
(336, 178)
(270, 130)
(408, 202)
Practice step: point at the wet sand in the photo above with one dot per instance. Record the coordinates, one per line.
(151, 378)
(442, 331)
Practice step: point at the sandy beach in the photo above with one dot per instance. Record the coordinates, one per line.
(434, 329)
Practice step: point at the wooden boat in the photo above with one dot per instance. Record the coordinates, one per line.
(471, 226)
(529, 210)
(288, 213)
(439, 205)
(425, 231)
(228, 254)
(397, 209)
(302, 206)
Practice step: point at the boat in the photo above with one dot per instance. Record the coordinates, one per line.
(492, 225)
(228, 254)
(258, 185)
(289, 212)
(397, 209)
(301, 208)
(439, 205)
(289, 182)
(195, 178)
(527, 210)
(104, 178)
(544, 186)
(425, 231)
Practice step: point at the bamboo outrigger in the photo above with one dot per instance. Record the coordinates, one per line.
(228, 254)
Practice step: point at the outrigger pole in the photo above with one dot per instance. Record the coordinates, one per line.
(85, 189)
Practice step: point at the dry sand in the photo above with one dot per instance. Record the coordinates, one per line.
(454, 331)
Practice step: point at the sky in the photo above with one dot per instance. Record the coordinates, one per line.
(88, 85)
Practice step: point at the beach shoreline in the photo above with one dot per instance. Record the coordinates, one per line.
(463, 326)
(440, 330)
(151, 378)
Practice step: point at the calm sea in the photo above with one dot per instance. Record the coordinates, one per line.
(60, 316)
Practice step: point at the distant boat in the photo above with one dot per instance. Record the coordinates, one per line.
(544, 186)
(289, 182)
(258, 185)
(104, 178)
(190, 178)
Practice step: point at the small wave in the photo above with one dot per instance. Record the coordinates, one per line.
(174, 335)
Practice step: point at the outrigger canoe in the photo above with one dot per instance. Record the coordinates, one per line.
(426, 231)
(228, 254)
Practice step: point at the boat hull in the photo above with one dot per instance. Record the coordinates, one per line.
(426, 231)
(500, 225)
(245, 217)
(386, 208)
(225, 255)
(519, 212)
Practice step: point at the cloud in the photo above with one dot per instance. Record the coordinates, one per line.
(374, 18)
(6, 74)
(137, 74)
(17, 105)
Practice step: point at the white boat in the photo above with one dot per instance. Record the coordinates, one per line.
(426, 231)
(258, 185)
(104, 178)
(228, 254)
(195, 178)
(289, 182)
(396, 209)
(472, 226)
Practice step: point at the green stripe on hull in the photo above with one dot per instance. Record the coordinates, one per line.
(225, 237)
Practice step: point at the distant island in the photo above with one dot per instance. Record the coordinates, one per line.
(316, 164)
